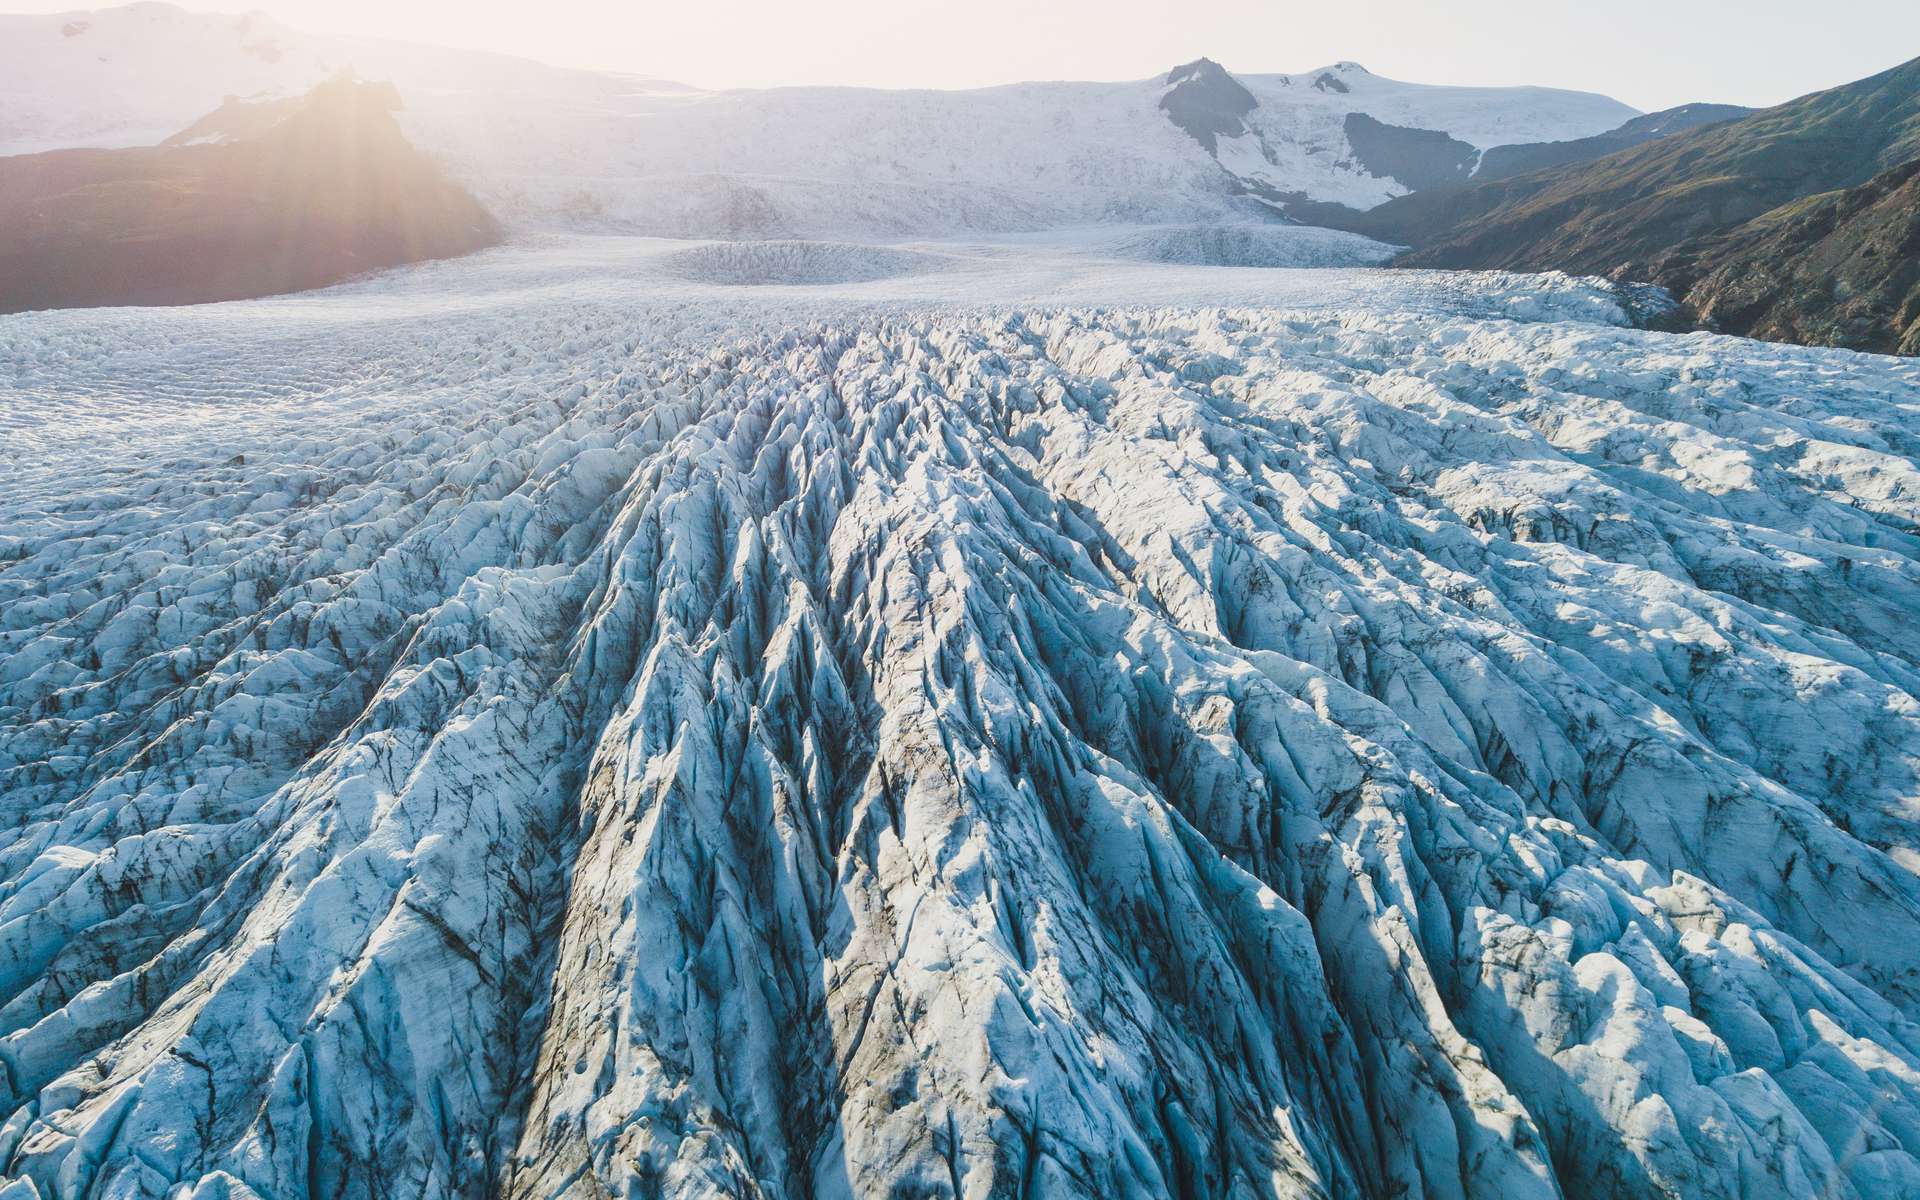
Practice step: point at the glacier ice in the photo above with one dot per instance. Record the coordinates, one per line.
(486, 732)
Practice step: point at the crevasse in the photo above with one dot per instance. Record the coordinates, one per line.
(958, 750)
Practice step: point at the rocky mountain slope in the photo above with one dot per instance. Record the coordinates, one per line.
(292, 195)
(565, 724)
(1838, 269)
(544, 147)
(1631, 206)
(1503, 161)
(1790, 222)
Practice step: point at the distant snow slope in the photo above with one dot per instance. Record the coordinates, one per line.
(546, 146)
(1479, 116)
(549, 725)
(1296, 141)
(132, 76)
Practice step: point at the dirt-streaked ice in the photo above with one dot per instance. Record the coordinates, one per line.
(599, 719)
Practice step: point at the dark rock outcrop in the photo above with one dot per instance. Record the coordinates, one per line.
(1838, 269)
(1418, 158)
(1787, 223)
(275, 198)
(1637, 204)
(1207, 102)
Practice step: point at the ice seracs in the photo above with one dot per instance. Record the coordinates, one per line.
(547, 725)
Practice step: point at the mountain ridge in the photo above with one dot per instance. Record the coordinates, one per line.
(1502, 161)
(551, 148)
(256, 199)
(1839, 268)
(1658, 211)
(1593, 217)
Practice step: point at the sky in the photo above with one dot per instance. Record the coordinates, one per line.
(1650, 53)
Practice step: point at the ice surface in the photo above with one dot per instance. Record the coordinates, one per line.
(1255, 246)
(556, 724)
(796, 262)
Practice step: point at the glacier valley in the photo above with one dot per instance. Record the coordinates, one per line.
(1074, 715)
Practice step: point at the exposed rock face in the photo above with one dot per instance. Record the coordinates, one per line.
(1418, 158)
(590, 752)
(1637, 204)
(1740, 208)
(1841, 269)
(254, 200)
(1206, 102)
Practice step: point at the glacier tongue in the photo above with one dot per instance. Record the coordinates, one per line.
(958, 750)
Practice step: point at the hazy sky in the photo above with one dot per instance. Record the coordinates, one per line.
(1649, 53)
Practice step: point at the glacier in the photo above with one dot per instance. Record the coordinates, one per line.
(956, 718)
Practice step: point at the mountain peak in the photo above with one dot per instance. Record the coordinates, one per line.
(1200, 70)
(1207, 102)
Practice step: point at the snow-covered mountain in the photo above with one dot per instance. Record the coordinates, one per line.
(545, 146)
(583, 720)
(134, 75)
(1345, 135)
